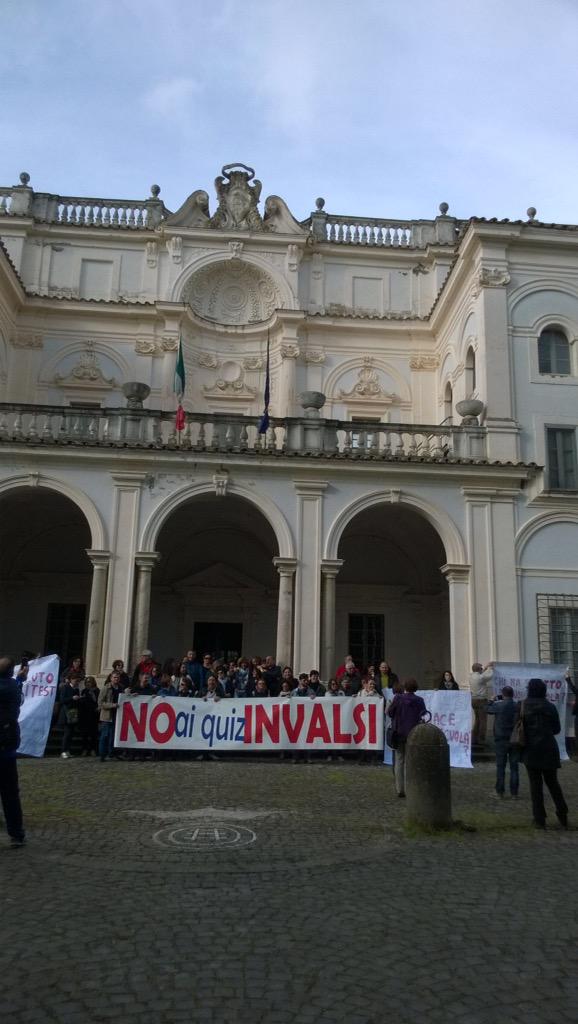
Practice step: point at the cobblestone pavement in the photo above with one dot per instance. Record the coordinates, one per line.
(316, 907)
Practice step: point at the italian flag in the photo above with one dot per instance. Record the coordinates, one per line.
(179, 387)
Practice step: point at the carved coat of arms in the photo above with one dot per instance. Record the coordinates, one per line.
(238, 199)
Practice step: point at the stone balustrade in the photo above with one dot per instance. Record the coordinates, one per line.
(153, 429)
(82, 211)
(368, 231)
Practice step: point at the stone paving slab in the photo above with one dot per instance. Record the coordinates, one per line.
(333, 913)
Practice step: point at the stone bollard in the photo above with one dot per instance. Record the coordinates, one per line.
(427, 778)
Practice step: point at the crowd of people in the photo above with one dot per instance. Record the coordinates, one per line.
(86, 711)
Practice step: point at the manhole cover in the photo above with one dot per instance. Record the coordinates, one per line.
(209, 836)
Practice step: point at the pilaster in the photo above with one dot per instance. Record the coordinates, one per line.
(124, 532)
(308, 579)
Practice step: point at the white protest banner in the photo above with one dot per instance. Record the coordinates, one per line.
(517, 676)
(38, 691)
(272, 723)
(451, 711)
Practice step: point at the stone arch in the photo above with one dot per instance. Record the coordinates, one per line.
(250, 262)
(356, 363)
(537, 523)
(532, 289)
(441, 522)
(78, 497)
(272, 514)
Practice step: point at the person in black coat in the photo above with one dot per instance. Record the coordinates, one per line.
(447, 681)
(88, 717)
(540, 752)
(9, 743)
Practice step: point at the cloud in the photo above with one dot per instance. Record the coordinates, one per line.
(172, 97)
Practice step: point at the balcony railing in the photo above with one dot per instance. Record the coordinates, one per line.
(154, 430)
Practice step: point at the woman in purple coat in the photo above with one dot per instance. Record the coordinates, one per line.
(406, 711)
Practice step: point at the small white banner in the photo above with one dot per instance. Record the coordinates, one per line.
(272, 723)
(517, 676)
(39, 692)
(451, 711)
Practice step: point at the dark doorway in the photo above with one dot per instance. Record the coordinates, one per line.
(65, 631)
(366, 639)
(221, 639)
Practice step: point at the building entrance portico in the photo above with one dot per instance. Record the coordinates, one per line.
(215, 584)
(390, 596)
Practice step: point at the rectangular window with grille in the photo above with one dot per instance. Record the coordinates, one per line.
(561, 454)
(366, 639)
(558, 629)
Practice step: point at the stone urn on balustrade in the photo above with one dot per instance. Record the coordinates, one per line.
(469, 410)
(134, 423)
(312, 402)
(135, 393)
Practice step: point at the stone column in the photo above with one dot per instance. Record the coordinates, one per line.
(329, 570)
(124, 533)
(308, 578)
(286, 568)
(93, 653)
(145, 562)
(461, 654)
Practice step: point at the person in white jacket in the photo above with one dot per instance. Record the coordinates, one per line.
(480, 688)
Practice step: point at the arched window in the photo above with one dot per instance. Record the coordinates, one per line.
(448, 403)
(553, 352)
(470, 372)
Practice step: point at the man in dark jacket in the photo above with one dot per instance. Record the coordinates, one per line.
(9, 743)
(541, 754)
(504, 709)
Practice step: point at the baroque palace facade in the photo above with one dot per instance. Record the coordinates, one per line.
(415, 496)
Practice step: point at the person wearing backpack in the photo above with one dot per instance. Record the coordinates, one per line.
(9, 743)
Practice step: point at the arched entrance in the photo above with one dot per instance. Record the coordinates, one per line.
(391, 598)
(45, 573)
(215, 586)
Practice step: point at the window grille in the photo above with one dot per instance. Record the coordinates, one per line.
(554, 353)
(558, 629)
(561, 447)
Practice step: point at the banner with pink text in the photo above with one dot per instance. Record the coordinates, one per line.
(517, 676)
(38, 693)
(271, 723)
(451, 711)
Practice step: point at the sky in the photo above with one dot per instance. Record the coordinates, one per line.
(384, 107)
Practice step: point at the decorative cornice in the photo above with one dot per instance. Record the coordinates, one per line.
(423, 361)
(24, 339)
(290, 351)
(490, 277)
(315, 356)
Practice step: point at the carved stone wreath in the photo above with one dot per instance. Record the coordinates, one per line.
(232, 293)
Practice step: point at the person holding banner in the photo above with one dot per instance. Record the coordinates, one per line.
(574, 689)
(540, 752)
(480, 677)
(9, 743)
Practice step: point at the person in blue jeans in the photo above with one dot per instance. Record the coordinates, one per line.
(505, 709)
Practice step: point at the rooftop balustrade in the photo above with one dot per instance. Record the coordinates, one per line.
(153, 430)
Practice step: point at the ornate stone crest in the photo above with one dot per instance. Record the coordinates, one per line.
(238, 199)
(368, 385)
(86, 372)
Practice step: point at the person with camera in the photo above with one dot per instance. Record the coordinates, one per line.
(9, 743)
(504, 710)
